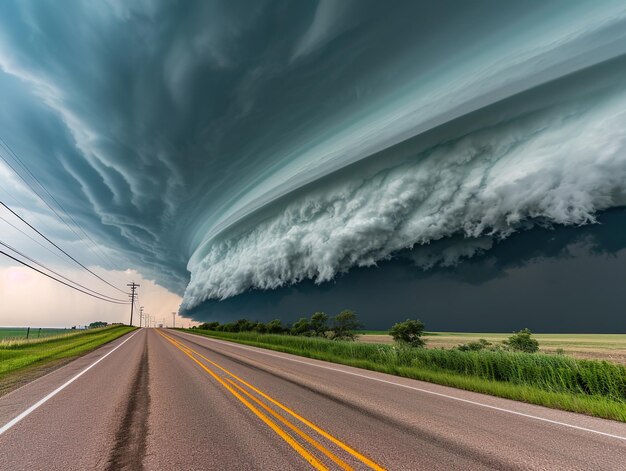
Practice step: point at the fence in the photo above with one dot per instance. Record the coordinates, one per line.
(19, 333)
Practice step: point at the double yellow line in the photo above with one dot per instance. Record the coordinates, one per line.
(267, 413)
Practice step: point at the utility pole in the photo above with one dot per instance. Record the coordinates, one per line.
(132, 296)
(174, 320)
(140, 315)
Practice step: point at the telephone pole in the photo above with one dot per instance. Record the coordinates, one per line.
(132, 296)
(140, 315)
(173, 320)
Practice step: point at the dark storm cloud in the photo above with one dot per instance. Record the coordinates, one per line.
(564, 279)
(257, 145)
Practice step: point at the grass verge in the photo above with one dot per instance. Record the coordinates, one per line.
(18, 358)
(595, 388)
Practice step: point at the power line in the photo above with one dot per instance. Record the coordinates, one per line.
(57, 273)
(16, 157)
(59, 281)
(59, 248)
(33, 239)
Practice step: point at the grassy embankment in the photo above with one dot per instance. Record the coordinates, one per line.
(21, 360)
(590, 387)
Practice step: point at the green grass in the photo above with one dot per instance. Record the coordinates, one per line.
(20, 332)
(19, 355)
(591, 387)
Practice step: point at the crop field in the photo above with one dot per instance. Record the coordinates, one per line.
(610, 347)
(14, 333)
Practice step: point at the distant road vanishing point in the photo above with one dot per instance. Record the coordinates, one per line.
(160, 399)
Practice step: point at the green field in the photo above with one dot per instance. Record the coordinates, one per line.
(585, 386)
(609, 347)
(12, 333)
(20, 360)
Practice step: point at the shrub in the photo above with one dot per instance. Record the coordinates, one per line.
(474, 346)
(522, 342)
(409, 333)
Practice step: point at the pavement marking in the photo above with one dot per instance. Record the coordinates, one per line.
(295, 445)
(426, 391)
(342, 464)
(322, 432)
(39, 403)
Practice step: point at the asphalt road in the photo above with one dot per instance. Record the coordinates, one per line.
(165, 400)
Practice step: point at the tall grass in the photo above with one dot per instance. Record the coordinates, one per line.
(593, 387)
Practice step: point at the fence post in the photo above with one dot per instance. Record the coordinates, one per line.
(27, 332)
(39, 332)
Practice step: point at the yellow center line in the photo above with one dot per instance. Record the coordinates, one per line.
(295, 445)
(310, 424)
(293, 427)
(308, 438)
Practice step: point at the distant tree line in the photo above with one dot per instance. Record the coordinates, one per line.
(344, 326)
(340, 327)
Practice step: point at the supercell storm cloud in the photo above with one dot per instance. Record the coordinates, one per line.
(224, 147)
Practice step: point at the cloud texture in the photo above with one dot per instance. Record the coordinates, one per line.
(258, 145)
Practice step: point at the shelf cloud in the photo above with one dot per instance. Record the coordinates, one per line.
(223, 147)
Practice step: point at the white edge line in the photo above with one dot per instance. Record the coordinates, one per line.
(35, 406)
(543, 419)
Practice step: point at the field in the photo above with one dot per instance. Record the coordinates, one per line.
(590, 387)
(23, 360)
(609, 347)
(35, 332)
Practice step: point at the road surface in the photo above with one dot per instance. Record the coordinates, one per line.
(159, 399)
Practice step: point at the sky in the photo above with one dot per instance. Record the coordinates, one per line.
(463, 163)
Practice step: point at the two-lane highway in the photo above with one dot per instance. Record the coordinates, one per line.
(162, 399)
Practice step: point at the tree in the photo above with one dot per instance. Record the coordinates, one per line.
(409, 333)
(260, 328)
(319, 323)
(301, 327)
(209, 326)
(97, 324)
(344, 325)
(243, 325)
(522, 342)
(274, 327)
(229, 327)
